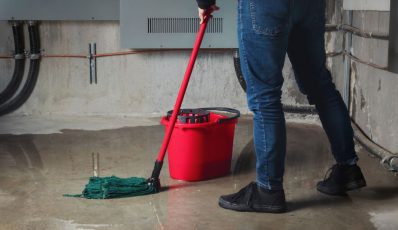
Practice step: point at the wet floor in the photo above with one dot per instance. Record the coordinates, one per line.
(35, 170)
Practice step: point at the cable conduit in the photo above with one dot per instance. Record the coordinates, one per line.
(387, 159)
(19, 66)
(356, 31)
(33, 73)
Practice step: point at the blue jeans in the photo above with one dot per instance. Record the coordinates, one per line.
(267, 30)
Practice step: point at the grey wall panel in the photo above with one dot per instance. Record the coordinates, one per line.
(136, 16)
(59, 9)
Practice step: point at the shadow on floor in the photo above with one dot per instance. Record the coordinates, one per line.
(246, 161)
(303, 203)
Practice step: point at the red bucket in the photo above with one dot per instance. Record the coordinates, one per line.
(202, 151)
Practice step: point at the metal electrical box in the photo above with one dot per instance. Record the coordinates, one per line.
(154, 24)
(144, 24)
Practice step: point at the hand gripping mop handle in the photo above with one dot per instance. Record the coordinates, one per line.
(162, 152)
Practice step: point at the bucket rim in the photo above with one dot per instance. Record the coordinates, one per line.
(164, 121)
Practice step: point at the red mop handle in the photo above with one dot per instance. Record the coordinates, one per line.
(183, 88)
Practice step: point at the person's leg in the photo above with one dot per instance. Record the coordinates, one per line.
(263, 35)
(306, 51)
(263, 27)
(307, 54)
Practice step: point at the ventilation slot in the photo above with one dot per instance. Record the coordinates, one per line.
(182, 25)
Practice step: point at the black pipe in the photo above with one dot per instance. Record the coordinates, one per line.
(19, 66)
(301, 109)
(238, 70)
(387, 158)
(31, 80)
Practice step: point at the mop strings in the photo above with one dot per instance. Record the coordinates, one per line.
(114, 187)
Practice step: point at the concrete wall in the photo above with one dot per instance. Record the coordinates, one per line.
(6, 65)
(143, 84)
(374, 96)
(127, 85)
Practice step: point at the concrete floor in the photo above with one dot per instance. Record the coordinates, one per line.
(36, 169)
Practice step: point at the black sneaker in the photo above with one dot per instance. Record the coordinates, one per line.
(342, 178)
(253, 198)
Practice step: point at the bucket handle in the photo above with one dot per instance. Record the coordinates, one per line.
(229, 110)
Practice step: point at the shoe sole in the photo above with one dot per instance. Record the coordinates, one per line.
(342, 191)
(255, 208)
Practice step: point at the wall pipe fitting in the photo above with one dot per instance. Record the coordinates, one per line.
(33, 73)
(19, 66)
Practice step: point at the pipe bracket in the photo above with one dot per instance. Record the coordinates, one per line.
(19, 56)
(34, 56)
(92, 52)
(387, 162)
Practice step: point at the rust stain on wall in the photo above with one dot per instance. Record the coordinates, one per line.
(363, 101)
(353, 89)
(331, 9)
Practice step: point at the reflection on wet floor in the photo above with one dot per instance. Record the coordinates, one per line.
(35, 170)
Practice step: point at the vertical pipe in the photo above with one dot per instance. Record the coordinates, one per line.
(95, 160)
(347, 61)
(19, 66)
(95, 62)
(90, 59)
(149, 25)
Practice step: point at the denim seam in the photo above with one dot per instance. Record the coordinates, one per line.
(252, 14)
(263, 31)
(350, 159)
(242, 48)
(264, 145)
(263, 185)
(269, 186)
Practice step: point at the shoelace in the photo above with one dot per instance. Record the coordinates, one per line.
(251, 188)
(243, 191)
(330, 172)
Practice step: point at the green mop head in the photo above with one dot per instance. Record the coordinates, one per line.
(115, 187)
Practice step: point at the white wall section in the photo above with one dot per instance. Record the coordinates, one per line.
(378, 5)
